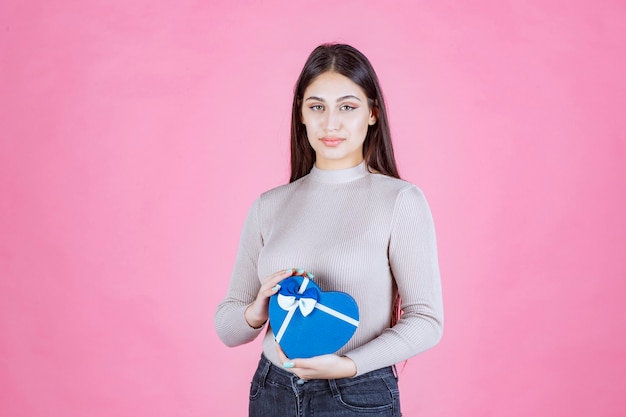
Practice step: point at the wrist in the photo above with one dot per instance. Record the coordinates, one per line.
(254, 322)
(350, 367)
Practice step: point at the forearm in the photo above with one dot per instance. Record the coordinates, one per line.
(231, 325)
(415, 333)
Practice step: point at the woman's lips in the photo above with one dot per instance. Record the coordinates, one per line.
(331, 141)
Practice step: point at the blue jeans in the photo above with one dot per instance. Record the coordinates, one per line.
(275, 392)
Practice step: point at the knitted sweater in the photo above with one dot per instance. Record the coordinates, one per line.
(362, 233)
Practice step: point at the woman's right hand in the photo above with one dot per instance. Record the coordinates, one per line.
(256, 314)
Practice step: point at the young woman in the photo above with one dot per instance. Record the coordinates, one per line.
(348, 220)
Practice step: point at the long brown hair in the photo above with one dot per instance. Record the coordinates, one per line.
(349, 62)
(377, 148)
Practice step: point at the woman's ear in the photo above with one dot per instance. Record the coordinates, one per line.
(373, 112)
(373, 115)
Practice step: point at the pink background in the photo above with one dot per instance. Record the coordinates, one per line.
(135, 134)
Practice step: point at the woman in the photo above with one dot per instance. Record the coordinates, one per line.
(349, 221)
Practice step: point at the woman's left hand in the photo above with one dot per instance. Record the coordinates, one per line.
(319, 367)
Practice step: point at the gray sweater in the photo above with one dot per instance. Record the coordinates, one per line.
(357, 232)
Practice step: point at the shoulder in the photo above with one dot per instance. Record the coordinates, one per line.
(276, 198)
(280, 192)
(406, 198)
(396, 186)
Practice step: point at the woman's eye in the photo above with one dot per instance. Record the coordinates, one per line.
(347, 107)
(317, 107)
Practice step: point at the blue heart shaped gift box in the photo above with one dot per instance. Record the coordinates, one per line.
(307, 321)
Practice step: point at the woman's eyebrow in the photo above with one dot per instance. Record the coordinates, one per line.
(348, 97)
(315, 99)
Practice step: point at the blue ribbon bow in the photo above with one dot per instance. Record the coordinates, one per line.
(289, 297)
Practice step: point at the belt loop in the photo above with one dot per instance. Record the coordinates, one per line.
(333, 388)
(394, 369)
(265, 370)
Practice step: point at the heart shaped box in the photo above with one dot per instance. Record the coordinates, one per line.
(328, 326)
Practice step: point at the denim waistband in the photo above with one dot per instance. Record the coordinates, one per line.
(267, 370)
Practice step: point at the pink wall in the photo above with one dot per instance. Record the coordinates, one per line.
(135, 134)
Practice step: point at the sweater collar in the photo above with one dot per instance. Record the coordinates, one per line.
(337, 176)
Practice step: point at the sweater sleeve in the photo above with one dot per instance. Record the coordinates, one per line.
(230, 323)
(414, 265)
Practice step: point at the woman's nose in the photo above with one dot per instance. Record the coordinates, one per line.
(333, 121)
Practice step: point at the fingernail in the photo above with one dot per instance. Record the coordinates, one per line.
(299, 271)
(310, 275)
(276, 287)
(288, 365)
(289, 271)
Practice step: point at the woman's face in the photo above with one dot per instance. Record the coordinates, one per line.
(336, 114)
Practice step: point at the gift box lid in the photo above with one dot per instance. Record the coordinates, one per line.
(307, 321)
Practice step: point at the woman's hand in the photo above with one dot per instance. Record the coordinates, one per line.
(319, 367)
(256, 314)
